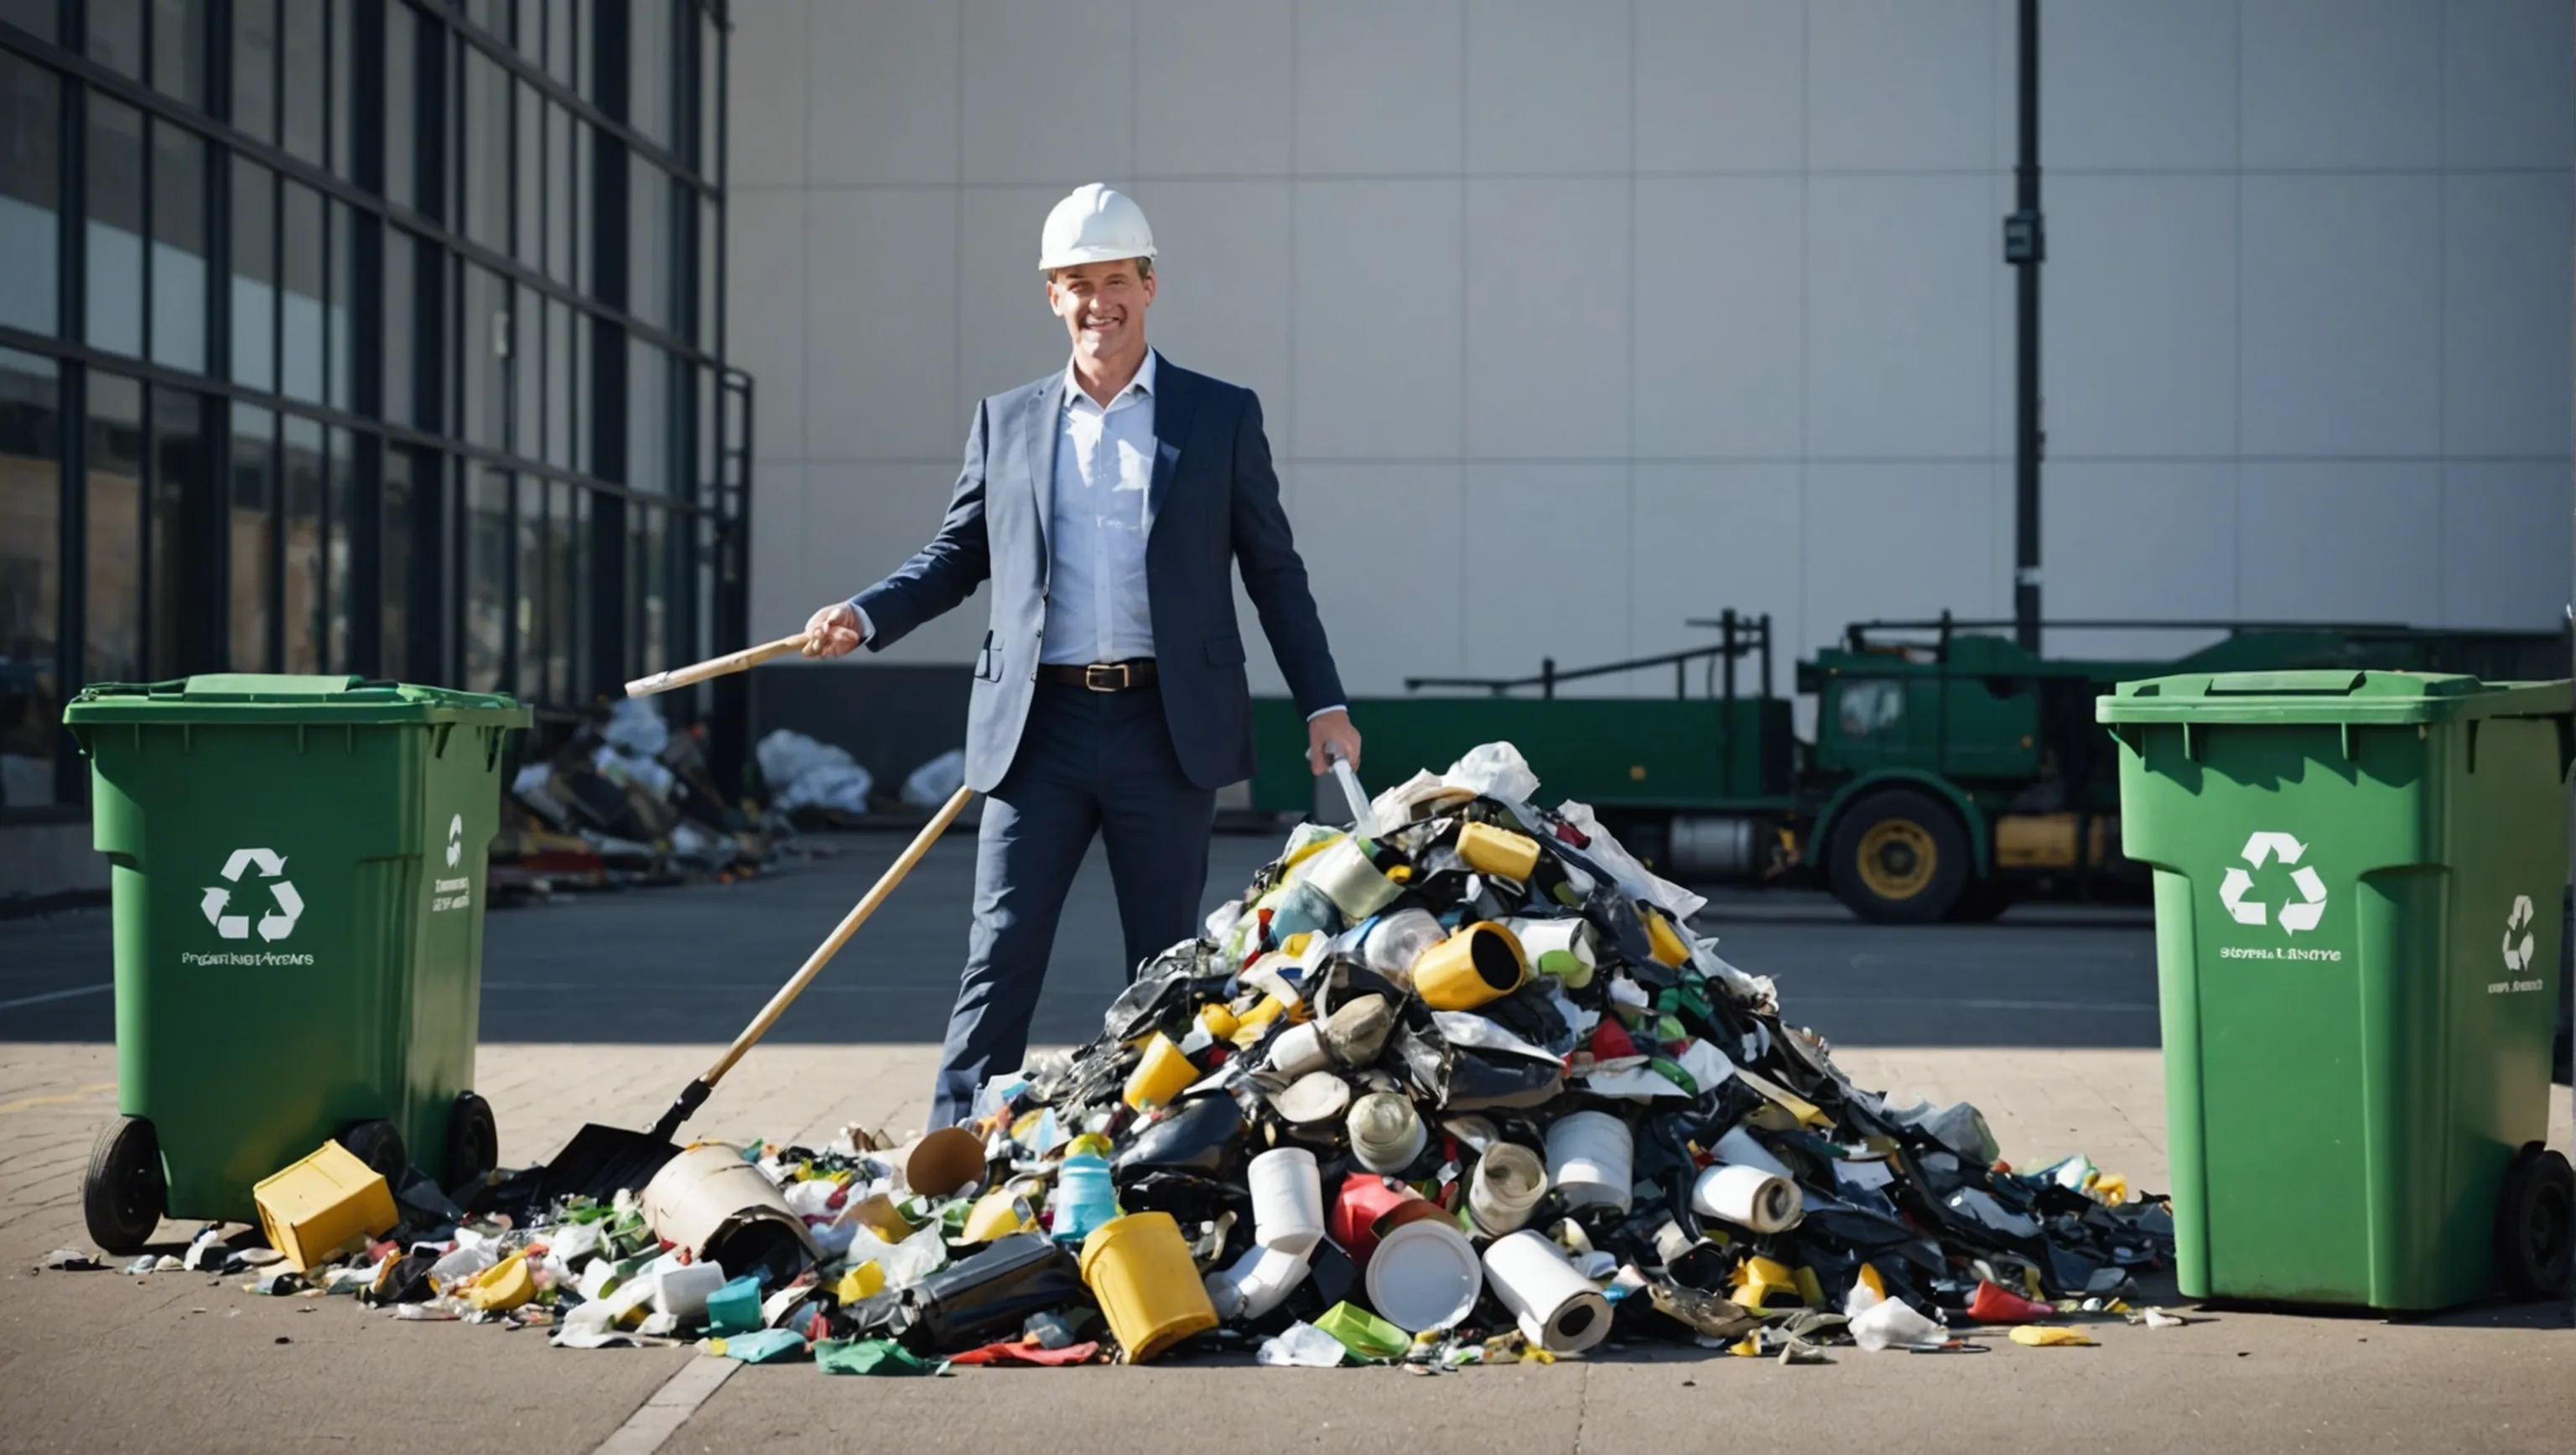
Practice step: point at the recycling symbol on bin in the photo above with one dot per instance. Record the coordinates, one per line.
(2517, 954)
(2261, 849)
(275, 925)
(455, 840)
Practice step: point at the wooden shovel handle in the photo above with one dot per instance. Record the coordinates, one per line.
(850, 923)
(695, 672)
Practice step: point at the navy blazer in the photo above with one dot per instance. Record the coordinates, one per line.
(1213, 501)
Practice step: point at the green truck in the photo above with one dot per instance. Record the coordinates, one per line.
(1950, 772)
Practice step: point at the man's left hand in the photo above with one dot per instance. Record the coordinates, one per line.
(1327, 731)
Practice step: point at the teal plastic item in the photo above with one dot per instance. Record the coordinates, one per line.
(734, 1308)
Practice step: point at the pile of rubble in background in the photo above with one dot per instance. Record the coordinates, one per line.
(627, 803)
(1455, 1087)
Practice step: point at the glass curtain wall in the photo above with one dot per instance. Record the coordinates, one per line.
(359, 336)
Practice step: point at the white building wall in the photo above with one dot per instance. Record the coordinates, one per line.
(1575, 318)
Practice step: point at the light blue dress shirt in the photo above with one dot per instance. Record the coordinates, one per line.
(1096, 605)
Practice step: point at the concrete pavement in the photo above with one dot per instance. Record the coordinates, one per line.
(601, 1009)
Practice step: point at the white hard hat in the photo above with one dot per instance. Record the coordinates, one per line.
(1094, 225)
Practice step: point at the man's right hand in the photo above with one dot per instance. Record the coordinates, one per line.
(833, 631)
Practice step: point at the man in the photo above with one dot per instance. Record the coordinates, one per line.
(1106, 504)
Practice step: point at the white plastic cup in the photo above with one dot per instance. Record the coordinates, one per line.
(1739, 1147)
(1287, 1200)
(1509, 1181)
(1557, 1308)
(1565, 948)
(1424, 1275)
(1386, 1132)
(1589, 1155)
(1749, 1197)
(1298, 1050)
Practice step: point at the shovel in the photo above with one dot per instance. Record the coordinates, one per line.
(1363, 821)
(599, 1160)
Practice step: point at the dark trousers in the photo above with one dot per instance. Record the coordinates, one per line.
(1088, 762)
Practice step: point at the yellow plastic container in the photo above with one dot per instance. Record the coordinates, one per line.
(1761, 1283)
(1218, 1021)
(1139, 1267)
(1667, 942)
(997, 1214)
(320, 1204)
(1482, 962)
(865, 1281)
(1162, 1075)
(1499, 852)
(503, 1286)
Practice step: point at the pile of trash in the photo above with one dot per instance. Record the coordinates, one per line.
(625, 802)
(1455, 1085)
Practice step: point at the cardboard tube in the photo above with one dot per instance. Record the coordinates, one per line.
(1354, 885)
(1739, 1147)
(1568, 949)
(1588, 1159)
(1557, 1308)
(1749, 1197)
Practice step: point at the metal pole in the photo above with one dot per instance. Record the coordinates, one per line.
(2025, 249)
(1726, 640)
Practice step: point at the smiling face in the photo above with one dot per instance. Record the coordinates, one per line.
(1103, 307)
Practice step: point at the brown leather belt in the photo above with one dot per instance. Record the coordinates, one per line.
(1103, 676)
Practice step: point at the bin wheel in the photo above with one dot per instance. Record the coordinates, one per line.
(124, 1194)
(2536, 1225)
(1899, 858)
(473, 1141)
(380, 1146)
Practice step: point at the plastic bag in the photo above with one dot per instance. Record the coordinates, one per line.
(635, 728)
(1493, 770)
(1890, 1324)
(935, 782)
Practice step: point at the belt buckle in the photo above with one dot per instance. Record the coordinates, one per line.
(1107, 677)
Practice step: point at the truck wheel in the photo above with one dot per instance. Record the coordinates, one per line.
(473, 1141)
(124, 1194)
(380, 1146)
(2536, 1226)
(1982, 901)
(1899, 857)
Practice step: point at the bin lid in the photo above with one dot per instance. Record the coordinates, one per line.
(258, 697)
(2329, 695)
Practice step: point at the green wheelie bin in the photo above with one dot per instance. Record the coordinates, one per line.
(2357, 882)
(296, 873)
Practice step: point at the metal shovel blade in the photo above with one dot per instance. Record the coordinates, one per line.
(599, 1160)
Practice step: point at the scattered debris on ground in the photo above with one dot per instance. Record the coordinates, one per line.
(1456, 1086)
